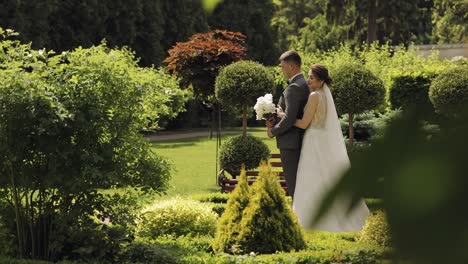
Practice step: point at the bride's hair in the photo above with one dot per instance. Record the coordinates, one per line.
(322, 73)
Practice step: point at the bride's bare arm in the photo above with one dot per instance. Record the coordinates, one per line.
(309, 112)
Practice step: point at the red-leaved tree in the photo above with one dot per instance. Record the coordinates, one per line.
(197, 62)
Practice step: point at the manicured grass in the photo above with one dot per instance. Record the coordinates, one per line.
(194, 162)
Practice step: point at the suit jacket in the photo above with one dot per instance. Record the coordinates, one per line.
(292, 101)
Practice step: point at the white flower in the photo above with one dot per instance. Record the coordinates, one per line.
(264, 106)
(41, 52)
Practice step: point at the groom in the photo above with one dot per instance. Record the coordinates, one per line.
(292, 101)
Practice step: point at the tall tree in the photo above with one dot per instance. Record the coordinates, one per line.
(253, 19)
(290, 17)
(450, 18)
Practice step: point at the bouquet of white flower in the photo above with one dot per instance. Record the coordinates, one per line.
(265, 108)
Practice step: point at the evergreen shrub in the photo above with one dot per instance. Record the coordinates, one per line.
(376, 230)
(259, 220)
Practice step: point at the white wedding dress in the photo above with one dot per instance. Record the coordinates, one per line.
(322, 162)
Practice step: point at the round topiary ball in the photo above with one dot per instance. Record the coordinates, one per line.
(449, 91)
(248, 150)
(241, 83)
(356, 89)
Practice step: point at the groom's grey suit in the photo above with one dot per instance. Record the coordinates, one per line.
(288, 136)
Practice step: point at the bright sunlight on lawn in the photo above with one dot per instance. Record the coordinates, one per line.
(194, 162)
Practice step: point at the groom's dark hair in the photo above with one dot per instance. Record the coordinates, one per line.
(291, 56)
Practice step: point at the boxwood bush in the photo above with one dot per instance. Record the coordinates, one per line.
(449, 91)
(248, 150)
(411, 91)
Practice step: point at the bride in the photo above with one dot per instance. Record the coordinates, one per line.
(322, 161)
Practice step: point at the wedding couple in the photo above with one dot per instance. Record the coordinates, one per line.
(312, 148)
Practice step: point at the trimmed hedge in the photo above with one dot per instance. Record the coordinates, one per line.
(411, 91)
(449, 91)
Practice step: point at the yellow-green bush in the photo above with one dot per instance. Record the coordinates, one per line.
(177, 217)
(258, 219)
(228, 227)
(376, 230)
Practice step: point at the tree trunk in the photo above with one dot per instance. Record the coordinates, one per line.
(19, 222)
(371, 22)
(244, 121)
(213, 121)
(351, 130)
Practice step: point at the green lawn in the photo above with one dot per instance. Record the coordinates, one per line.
(194, 162)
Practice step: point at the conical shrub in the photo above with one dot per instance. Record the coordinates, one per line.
(268, 223)
(227, 231)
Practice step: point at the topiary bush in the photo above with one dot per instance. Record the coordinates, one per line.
(227, 230)
(411, 91)
(356, 90)
(376, 230)
(176, 217)
(449, 91)
(248, 150)
(241, 83)
(268, 223)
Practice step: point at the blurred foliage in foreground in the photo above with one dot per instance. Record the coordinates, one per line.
(424, 193)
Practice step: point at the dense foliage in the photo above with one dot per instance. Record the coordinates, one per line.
(242, 150)
(176, 217)
(252, 18)
(69, 127)
(240, 84)
(449, 91)
(355, 90)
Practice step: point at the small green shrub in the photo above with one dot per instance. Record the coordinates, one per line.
(227, 231)
(176, 217)
(449, 91)
(141, 252)
(239, 150)
(217, 197)
(219, 209)
(376, 230)
(268, 223)
(411, 91)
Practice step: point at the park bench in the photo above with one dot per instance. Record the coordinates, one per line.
(228, 184)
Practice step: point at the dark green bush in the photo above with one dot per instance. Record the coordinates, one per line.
(240, 84)
(217, 197)
(449, 91)
(355, 89)
(239, 150)
(219, 209)
(411, 91)
(141, 252)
